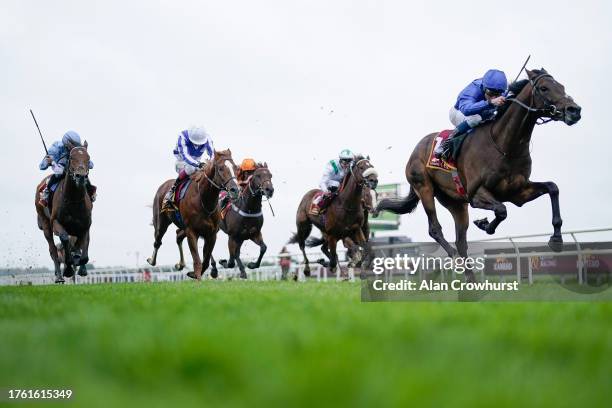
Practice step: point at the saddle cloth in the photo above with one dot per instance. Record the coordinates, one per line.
(436, 162)
(314, 204)
(179, 194)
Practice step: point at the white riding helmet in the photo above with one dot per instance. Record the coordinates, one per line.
(72, 137)
(197, 135)
(346, 154)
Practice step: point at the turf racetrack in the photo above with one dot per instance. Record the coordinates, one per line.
(308, 344)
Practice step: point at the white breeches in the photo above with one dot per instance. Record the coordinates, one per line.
(456, 117)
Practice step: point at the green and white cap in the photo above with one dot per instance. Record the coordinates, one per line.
(346, 154)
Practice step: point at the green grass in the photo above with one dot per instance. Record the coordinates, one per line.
(271, 343)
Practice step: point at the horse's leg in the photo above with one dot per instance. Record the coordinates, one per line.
(235, 254)
(532, 191)
(333, 261)
(258, 239)
(425, 192)
(303, 231)
(209, 245)
(180, 236)
(231, 262)
(160, 229)
(325, 250)
(462, 221)
(192, 241)
(83, 244)
(46, 227)
(59, 230)
(485, 200)
(214, 273)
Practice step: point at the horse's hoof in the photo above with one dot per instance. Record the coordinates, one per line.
(223, 262)
(150, 262)
(59, 279)
(322, 262)
(214, 273)
(556, 243)
(191, 275)
(482, 223)
(243, 275)
(68, 272)
(252, 265)
(179, 266)
(82, 271)
(306, 271)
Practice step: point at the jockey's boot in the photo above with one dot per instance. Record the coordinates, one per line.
(445, 149)
(168, 203)
(91, 190)
(326, 201)
(224, 199)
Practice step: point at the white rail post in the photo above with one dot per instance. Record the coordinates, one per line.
(518, 260)
(580, 261)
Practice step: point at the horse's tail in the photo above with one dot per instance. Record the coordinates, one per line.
(313, 242)
(399, 205)
(293, 239)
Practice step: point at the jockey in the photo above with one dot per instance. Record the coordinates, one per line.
(194, 147)
(476, 103)
(57, 158)
(334, 173)
(246, 170)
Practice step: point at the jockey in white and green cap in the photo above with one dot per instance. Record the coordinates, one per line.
(334, 173)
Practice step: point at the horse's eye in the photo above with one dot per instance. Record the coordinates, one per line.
(543, 89)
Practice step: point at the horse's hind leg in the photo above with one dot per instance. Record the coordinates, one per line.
(161, 224)
(533, 191)
(214, 273)
(258, 239)
(46, 227)
(209, 245)
(180, 236)
(304, 227)
(425, 192)
(234, 248)
(485, 200)
(462, 220)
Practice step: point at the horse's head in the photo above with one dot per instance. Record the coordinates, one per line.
(78, 164)
(261, 181)
(549, 96)
(364, 172)
(224, 176)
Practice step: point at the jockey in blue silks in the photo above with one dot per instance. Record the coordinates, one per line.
(476, 103)
(193, 147)
(57, 157)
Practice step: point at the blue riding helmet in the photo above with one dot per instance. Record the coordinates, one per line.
(72, 137)
(495, 79)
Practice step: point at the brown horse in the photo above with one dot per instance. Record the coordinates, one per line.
(69, 216)
(199, 211)
(244, 219)
(494, 165)
(343, 219)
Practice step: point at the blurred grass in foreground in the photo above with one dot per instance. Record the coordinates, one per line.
(271, 343)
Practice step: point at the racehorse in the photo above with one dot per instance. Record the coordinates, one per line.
(494, 165)
(198, 211)
(244, 219)
(69, 215)
(343, 219)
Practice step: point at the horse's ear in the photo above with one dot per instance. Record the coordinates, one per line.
(85, 144)
(543, 70)
(530, 74)
(265, 165)
(368, 157)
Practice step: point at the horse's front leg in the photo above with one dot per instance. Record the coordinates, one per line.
(209, 245)
(180, 236)
(47, 230)
(333, 260)
(258, 239)
(532, 191)
(59, 230)
(83, 245)
(485, 200)
(192, 241)
(234, 246)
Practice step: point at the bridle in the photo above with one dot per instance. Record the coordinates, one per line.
(549, 110)
(363, 176)
(222, 187)
(258, 192)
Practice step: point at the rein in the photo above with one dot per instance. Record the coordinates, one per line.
(548, 109)
(218, 187)
(255, 193)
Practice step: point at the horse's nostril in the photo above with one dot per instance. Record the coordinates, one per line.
(574, 110)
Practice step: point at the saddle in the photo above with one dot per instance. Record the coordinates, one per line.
(179, 194)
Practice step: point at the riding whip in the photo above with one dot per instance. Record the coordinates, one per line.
(39, 132)
(524, 65)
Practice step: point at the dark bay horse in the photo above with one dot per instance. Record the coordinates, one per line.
(199, 211)
(69, 215)
(494, 165)
(244, 219)
(343, 219)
